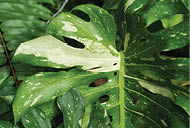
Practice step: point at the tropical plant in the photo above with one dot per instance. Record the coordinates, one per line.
(96, 68)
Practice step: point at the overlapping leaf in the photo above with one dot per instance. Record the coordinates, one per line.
(5, 124)
(72, 104)
(36, 85)
(87, 24)
(21, 20)
(99, 53)
(6, 87)
(36, 118)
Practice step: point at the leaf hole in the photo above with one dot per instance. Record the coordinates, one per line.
(81, 15)
(43, 20)
(94, 68)
(111, 118)
(155, 27)
(74, 43)
(115, 74)
(134, 100)
(187, 86)
(104, 98)
(58, 119)
(181, 52)
(115, 64)
(98, 82)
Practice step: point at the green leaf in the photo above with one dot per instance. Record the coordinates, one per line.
(176, 36)
(8, 99)
(19, 24)
(111, 4)
(50, 109)
(40, 90)
(4, 107)
(88, 24)
(3, 58)
(172, 20)
(99, 117)
(36, 118)
(7, 87)
(162, 9)
(149, 76)
(72, 104)
(99, 54)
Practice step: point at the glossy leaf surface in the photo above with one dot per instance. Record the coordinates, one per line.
(36, 118)
(148, 82)
(72, 104)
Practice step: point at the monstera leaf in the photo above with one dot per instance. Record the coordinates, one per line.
(136, 87)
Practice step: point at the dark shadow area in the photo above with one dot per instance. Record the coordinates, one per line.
(104, 98)
(74, 43)
(81, 15)
(57, 120)
(154, 27)
(181, 52)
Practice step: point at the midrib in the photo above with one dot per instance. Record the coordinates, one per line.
(121, 91)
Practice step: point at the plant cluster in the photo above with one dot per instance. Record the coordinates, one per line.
(109, 64)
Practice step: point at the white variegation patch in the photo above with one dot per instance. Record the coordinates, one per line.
(68, 26)
(36, 100)
(98, 38)
(94, 57)
(156, 89)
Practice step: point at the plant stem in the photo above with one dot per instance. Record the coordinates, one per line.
(60, 10)
(9, 60)
(121, 91)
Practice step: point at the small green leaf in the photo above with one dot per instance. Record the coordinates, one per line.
(7, 87)
(72, 104)
(36, 118)
(8, 99)
(4, 107)
(50, 109)
(99, 117)
(162, 9)
(172, 20)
